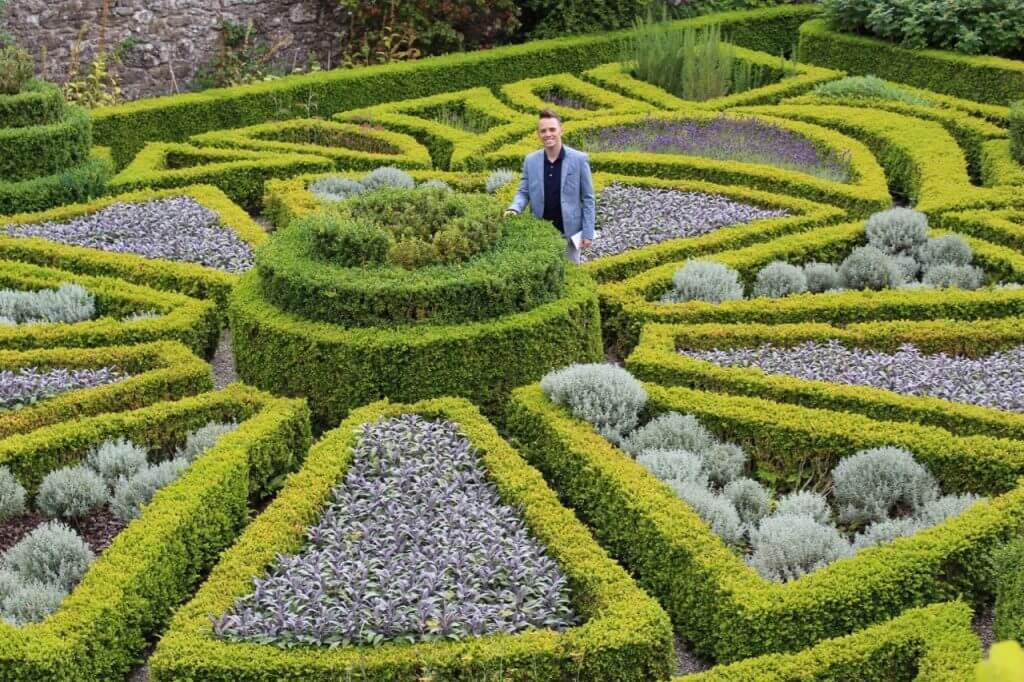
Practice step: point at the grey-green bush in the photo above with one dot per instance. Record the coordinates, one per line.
(388, 176)
(778, 279)
(12, 495)
(872, 484)
(724, 462)
(936, 511)
(131, 493)
(949, 248)
(31, 602)
(606, 396)
(71, 493)
(335, 188)
(821, 277)
(751, 499)
(909, 267)
(945, 275)
(897, 231)
(671, 431)
(51, 553)
(67, 303)
(715, 510)
(871, 87)
(9, 581)
(674, 465)
(789, 546)
(702, 280)
(436, 183)
(869, 268)
(202, 439)
(804, 503)
(881, 532)
(117, 458)
(498, 179)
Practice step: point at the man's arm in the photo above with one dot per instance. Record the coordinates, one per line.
(587, 196)
(522, 196)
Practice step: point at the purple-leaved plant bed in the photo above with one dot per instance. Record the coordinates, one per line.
(995, 381)
(629, 217)
(726, 139)
(415, 545)
(30, 384)
(177, 229)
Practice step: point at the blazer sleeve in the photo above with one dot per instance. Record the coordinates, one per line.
(587, 196)
(522, 196)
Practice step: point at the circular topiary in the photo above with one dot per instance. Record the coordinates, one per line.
(39, 150)
(38, 103)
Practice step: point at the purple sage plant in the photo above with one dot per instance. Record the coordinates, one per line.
(30, 384)
(995, 380)
(177, 228)
(415, 546)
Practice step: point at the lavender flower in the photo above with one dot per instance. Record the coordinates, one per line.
(416, 545)
(725, 138)
(178, 229)
(995, 380)
(629, 217)
(30, 384)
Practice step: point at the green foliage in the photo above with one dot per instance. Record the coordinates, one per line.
(346, 241)
(1004, 663)
(39, 150)
(1009, 582)
(52, 553)
(870, 87)
(79, 183)
(16, 68)
(12, 497)
(1017, 131)
(604, 395)
(71, 493)
(243, 58)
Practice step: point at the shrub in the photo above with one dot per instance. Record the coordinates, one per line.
(68, 303)
(821, 277)
(872, 87)
(71, 493)
(498, 179)
(436, 184)
(715, 510)
(606, 396)
(949, 249)
(31, 602)
(350, 243)
(751, 499)
(202, 439)
(945, 275)
(871, 484)
(1017, 131)
(897, 231)
(12, 495)
(778, 279)
(1008, 562)
(909, 268)
(869, 268)
(787, 547)
(724, 462)
(804, 503)
(881, 532)
(131, 493)
(674, 465)
(335, 188)
(936, 511)
(672, 431)
(118, 458)
(16, 69)
(52, 553)
(388, 176)
(702, 280)
(9, 582)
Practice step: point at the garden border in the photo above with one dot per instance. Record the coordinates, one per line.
(522, 95)
(47, 148)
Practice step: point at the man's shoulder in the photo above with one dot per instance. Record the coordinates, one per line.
(574, 154)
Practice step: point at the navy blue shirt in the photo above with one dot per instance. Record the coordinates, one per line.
(553, 189)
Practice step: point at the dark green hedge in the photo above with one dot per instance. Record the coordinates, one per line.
(40, 150)
(38, 103)
(994, 80)
(126, 128)
(1009, 562)
(1017, 131)
(525, 269)
(338, 369)
(70, 186)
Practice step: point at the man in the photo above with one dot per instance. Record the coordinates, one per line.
(556, 183)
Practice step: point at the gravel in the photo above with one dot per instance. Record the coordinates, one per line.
(30, 384)
(629, 217)
(995, 381)
(177, 229)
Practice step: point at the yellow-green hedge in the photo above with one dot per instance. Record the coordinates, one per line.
(1004, 663)
(38, 103)
(523, 95)
(45, 149)
(1000, 226)
(125, 598)
(78, 183)
(997, 165)
(625, 634)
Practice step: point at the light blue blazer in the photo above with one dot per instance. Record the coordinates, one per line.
(577, 191)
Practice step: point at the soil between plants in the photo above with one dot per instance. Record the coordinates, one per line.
(98, 529)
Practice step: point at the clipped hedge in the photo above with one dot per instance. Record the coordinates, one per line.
(993, 80)
(80, 183)
(239, 173)
(193, 322)
(625, 634)
(525, 95)
(1009, 608)
(1017, 131)
(190, 279)
(38, 103)
(162, 370)
(998, 167)
(929, 644)
(126, 128)
(38, 150)
(714, 599)
(103, 626)
(340, 368)
(1004, 663)
(656, 359)
(340, 142)
(1005, 226)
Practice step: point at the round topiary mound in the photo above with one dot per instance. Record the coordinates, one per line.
(38, 103)
(37, 150)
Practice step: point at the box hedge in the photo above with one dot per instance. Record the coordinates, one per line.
(714, 599)
(1017, 131)
(38, 103)
(528, 96)
(45, 149)
(79, 183)
(625, 634)
(161, 370)
(1009, 607)
(999, 226)
(997, 165)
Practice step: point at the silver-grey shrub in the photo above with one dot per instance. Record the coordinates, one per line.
(909, 267)
(787, 547)
(778, 279)
(605, 395)
(945, 275)
(936, 511)
(672, 431)
(117, 458)
(9, 581)
(31, 602)
(804, 503)
(335, 188)
(498, 179)
(821, 277)
(67, 303)
(435, 183)
(881, 532)
(871, 484)
(674, 465)
(131, 493)
(715, 510)
(202, 439)
(12, 495)
(388, 176)
(897, 231)
(51, 553)
(724, 462)
(951, 249)
(703, 280)
(869, 268)
(71, 493)
(751, 499)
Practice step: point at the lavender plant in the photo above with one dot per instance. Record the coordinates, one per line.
(67, 303)
(29, 385)
(951, 249)
(867, 267)
(30, 601)
(945, 275)
(498, 179)
(117, 458)
(821, 277)
(897, 231)
(71, 492)
(335, 188)
(130, 494)
(671, 430)
(177, 229)
(415, 545)
(674, 465)
(751, 499)
(199, 441)
(804, 503)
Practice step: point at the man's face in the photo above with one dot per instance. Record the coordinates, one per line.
(549, 130)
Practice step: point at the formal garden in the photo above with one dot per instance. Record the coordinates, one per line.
(285, 396)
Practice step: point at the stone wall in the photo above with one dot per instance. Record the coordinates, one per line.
(168, 39)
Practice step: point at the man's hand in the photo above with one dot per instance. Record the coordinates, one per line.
(584, 243)
(509, 211)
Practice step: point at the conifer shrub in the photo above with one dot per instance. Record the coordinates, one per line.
(347, 242)
(604, 395)
(52, 553)
(71, 492)
(778, 279)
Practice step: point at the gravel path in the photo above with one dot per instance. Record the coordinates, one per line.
(224, 362)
